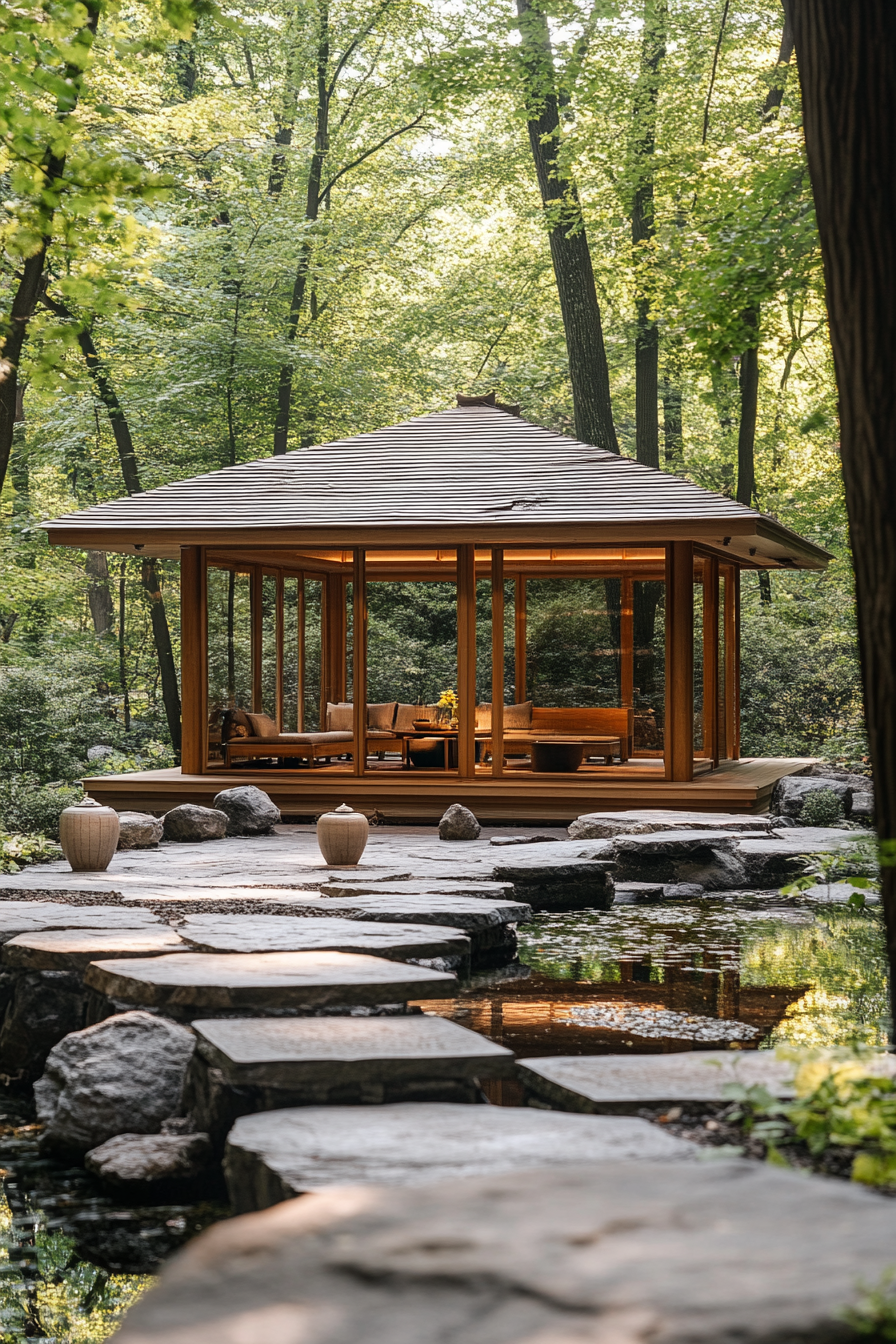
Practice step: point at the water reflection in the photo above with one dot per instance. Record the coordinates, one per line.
(666, 978)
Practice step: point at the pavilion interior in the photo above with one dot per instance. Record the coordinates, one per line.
(287, 633)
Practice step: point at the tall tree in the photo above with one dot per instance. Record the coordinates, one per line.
(845, 56)
(643, 222)
(582, 323)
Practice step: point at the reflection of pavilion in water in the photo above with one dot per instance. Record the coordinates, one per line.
(538, 1014)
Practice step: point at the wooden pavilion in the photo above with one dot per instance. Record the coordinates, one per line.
(293, 567)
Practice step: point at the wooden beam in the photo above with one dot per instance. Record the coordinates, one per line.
(497, 662)
(359, 660)
(679, 732)
(735, 666)
(711, 659)
(627, 644)
(466, 660)
(300, 653)
(193, 661)
(519, 639)
(255, 637)
(279, 628)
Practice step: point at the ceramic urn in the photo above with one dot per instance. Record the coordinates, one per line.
(342, 836)
(88, 833)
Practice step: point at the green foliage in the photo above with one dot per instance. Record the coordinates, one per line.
(874, 1311)
(856, 865)
(822, 808)
(17, 851)
(31, 807)
(151, 756)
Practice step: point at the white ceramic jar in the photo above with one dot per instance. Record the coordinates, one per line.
(342, 836)
(88, 833)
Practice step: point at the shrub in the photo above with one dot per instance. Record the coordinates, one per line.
(29, 807)
(821, 808)
(17, 851)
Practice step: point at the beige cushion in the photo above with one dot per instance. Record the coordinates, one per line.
(263, 725)
(381, 716)
(516, 717)
(340, 718)
(406, 714)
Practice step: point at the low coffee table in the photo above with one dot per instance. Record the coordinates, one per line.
(564, 755)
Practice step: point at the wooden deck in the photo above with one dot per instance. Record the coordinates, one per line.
(736, 786)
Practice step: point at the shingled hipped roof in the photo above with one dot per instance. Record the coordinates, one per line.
(472, 473)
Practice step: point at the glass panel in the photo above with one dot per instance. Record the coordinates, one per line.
(573, 642)
(291, 653)
(269, 645)
(229, 649)
(649, 664)
(312, 642)
(699, 736)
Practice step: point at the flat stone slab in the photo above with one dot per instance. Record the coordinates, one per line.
(433, 886)
(265, 980)
(30, 916)
(277, 1154)
(74, 949)
(286, 1053)
(606, 825)
(460, 912)
(607, 1253)
(596, 1083)
(282, 933)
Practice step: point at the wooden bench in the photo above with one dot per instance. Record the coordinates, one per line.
(583, 723)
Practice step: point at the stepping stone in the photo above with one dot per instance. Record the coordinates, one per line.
(639, 893)
(490, 924)
(501, 840)
(601, 1083)
(184, 985)
(433, 886)
(283, 933)
(710, 858)
(261, 1064)
(75, 949)
(550, 880)
(29, 916)
(44, 995)
(616, 1252)
(279, 1154)
(772, 862)
(607, 825)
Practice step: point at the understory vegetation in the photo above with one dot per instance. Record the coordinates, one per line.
(290, 222)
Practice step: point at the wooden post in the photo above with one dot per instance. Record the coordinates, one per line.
(711, 658)
(497, 661)
(519, 639)
(279, 629)
(359, 658)
(679, 737)
(255, 635)
(734, 660)
(300, 652)
(466, 660)
(193, 661)
(627, 644)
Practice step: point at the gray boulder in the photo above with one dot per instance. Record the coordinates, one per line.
(458, 823)
(123, 1076)
(863, 807)
(673, 857)
(607, 825)
(189, 822)
(139, 830)
(149, 1157)
(249, 811)
(558, 882)
(683, 891)
(791, 792)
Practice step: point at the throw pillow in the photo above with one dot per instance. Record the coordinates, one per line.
(405, 716)
(381, 716)
(518, 717)
(235, 723)
(340, 718)
(263, 725)
(484, 718)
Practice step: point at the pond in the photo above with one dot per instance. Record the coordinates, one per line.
(642, 978)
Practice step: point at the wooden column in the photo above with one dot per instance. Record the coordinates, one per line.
(519, 639)
(193, 661)
(497, 662)
(627, 644)
(279, 629)
(679, 734)
(734, 661)
(359, 658)
(256, 609)
(466, 660)
(711, 659)
(300, 653)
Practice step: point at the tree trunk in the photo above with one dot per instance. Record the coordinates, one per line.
(122, 658)
(127, 457)
(845, 55)
(643, 147)
(748, 381)
(99, 598)
(673, 425)
(27, 292)
(576, 290)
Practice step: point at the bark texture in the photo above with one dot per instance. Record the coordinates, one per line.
(99, 596)
(846, 54)
(576, 290)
